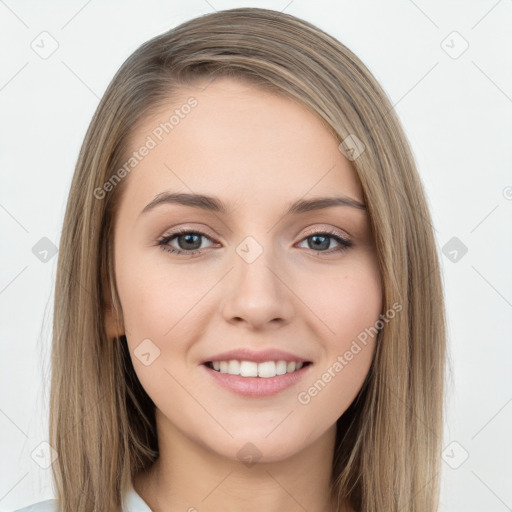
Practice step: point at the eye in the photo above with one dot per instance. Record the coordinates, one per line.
(322, 240)
(189, 242)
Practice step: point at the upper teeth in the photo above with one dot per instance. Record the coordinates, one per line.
(252, 369)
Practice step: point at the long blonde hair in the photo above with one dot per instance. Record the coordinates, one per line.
(102, 423)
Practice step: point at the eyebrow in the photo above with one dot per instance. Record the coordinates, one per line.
(214, 204)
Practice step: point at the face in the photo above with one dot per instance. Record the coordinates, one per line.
(195, 282)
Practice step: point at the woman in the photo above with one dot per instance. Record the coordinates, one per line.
(249, 312)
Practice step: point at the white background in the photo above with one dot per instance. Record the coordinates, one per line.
(457, 113)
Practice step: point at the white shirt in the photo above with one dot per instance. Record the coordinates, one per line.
(132, 502)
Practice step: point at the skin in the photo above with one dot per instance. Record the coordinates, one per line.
(257, 151)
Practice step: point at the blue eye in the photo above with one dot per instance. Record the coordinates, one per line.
(322, 240)
(189, 242)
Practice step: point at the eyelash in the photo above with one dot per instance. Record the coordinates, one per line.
(164, 241)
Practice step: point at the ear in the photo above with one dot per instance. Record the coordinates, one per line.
(113, 318)
(113, 323)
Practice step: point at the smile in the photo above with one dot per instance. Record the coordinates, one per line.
(266, 369)
(256, 380)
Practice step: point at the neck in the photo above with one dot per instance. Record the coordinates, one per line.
(189, 476)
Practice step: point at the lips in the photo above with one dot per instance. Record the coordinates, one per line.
(256, 387)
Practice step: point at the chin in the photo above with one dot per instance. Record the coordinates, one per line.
(257, 446)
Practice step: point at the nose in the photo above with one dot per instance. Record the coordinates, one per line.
(258, 294)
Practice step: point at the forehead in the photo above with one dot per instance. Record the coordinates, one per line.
(239, 142)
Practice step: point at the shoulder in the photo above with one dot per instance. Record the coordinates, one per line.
(132, 503)
(40, 506)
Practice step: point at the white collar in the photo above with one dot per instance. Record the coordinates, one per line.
(132, 502)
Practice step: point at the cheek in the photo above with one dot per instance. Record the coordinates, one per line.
(355, 306)
(346, 299)
(158, 299)
(348, 305)
(158, 309)
(163, 308)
